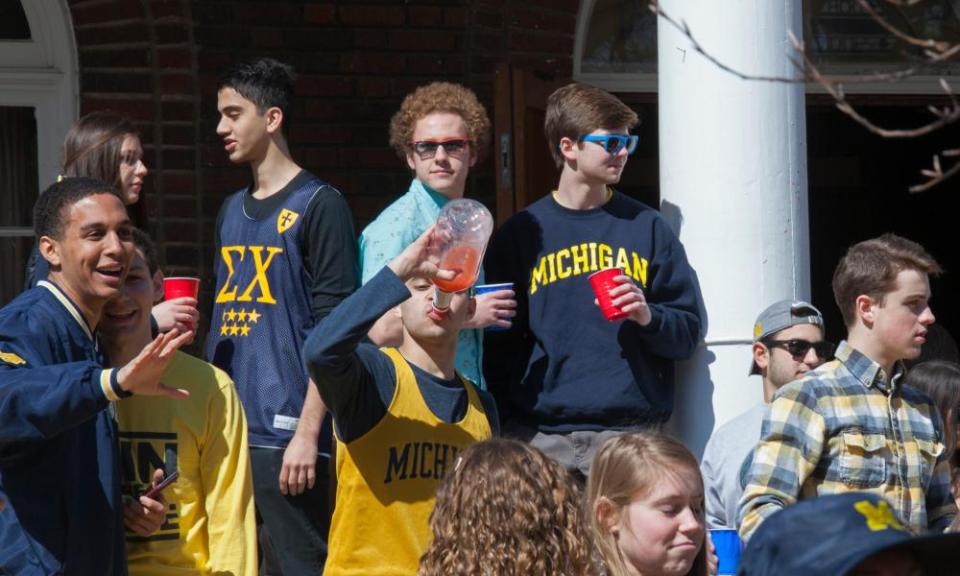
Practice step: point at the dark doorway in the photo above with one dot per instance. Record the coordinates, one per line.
(858, 190)
(641, 177)
(18, 193)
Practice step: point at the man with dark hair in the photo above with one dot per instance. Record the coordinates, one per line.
(440, 131)
(286, 255)
(564, 377)
(787, 343)
(851, 425)
(402, 414)
(58, 442)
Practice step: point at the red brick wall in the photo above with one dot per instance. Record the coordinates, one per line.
(357, 59)
(138, 57)
(158, 61)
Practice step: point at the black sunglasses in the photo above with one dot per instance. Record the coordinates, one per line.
(427, 149)
(798, 348)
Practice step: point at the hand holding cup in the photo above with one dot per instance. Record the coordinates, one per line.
(629, 298)
(179, 308)
(496, 306)
(619, 297)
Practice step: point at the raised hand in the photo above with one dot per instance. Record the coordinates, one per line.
(142, 374)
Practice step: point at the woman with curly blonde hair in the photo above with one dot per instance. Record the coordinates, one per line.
(645, 502)
(506, 509)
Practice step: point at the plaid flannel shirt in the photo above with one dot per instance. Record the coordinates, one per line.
(846, 427)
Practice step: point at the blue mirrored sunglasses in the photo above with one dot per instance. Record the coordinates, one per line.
(613, 143)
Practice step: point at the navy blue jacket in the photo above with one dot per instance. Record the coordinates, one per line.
(59, 472)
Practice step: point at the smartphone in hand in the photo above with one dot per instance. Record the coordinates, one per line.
(167, 480)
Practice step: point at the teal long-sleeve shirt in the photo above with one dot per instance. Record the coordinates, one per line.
(397, 227)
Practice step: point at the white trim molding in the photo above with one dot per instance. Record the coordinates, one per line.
(42, 73)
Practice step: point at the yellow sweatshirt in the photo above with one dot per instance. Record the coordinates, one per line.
(210, 526)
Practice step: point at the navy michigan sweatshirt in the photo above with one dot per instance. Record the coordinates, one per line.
(562, 366)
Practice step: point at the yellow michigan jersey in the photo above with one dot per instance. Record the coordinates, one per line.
(387, 480)
(210, 526)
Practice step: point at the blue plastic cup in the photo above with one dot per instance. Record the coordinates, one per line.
(483, 289)
(727, 543)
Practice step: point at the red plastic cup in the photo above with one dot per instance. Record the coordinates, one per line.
(603, 282)
(181, 287)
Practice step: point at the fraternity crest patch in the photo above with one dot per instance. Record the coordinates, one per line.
(11, 358)
(285, 220)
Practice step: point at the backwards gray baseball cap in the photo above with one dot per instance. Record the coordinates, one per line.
(781, 315)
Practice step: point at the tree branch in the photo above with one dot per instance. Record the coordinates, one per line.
(929, 44)
(937, 175)
(936, 51)
(684, 29)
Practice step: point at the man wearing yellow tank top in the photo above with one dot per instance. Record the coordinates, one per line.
(401, 415)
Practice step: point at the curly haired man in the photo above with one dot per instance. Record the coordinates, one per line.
(441, 130)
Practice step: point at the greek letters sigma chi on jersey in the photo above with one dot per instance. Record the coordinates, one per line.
(387, 480)
(262, 311)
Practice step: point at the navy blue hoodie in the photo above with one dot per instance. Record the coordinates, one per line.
(563, 366)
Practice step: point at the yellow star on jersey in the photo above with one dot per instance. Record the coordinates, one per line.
(232, 315)
(223, 329)
(242, 316)
(253, 316)
(244, 330)
(234, 330)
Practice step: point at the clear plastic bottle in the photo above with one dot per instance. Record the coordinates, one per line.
(463, 230)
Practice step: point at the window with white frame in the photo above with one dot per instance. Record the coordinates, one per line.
(38, 103)
(616, 43)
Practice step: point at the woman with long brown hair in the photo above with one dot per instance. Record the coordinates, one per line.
(106, 145)
(941, 382)
(505, 510)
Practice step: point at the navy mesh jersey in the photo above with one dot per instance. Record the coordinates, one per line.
(262, 314)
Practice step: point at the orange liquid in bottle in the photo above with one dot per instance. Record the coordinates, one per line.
(463, 261)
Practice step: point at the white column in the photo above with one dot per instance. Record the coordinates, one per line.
(733, 184)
